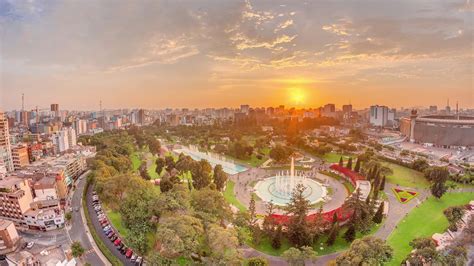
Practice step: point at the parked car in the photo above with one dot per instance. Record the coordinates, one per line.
(139, 261)
(110, 234)
(117, 241)
(120, 246)
(113, 238)
(30, 245)
(123, 250)
(133, 258)
(106, 228)
(129, 253)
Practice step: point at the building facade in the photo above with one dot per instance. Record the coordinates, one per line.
(20, 156)
(5, 147)
(15, 199)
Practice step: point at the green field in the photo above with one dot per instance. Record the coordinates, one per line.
(406, 177)
(333, 157)
(152, 169)
(423, 221)
(135, 158)
(230, 196)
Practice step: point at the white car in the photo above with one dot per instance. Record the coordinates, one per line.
(30, 245)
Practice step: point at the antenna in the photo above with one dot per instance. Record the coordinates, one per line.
(23, 102)
(457, 109)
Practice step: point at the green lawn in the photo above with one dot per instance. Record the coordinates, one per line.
(406, 177)
(333, 157)
(230, 196)
(423, 221)
(152, 170)
(135, 158)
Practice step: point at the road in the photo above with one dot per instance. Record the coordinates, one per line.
(78, 230)
(98, 228)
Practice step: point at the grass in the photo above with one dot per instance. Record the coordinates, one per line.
(423, 221)
(333, 157)
(230, 196)
(136, 162)
(339, 245)
(152, 170)
(406, 177)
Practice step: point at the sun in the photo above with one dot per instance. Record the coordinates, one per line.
(297, 95)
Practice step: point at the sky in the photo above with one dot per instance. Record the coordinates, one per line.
(214, 53)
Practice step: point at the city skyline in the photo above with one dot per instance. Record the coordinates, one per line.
(157, 54)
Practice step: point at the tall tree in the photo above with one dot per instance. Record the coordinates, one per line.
(349, 163)
(438, 177)
(357, 166)
(341, 162)
(252, 212)
(333, 234)
(277, 236)
(382, 184)
(77, 249)
(220, 177)
(223, 243)
(299, 232)
(160, 164)
(366, 251)
(169, 163)
(359, 211)
(378, 217)
(201, 174)
(350, 234)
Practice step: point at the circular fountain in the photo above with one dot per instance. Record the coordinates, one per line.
(279, 188)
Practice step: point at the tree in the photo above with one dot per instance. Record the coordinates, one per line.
(349, 163)
(210, 205)
(299, 232)
(223, 243)
(160, 164)
(169, 163)
(165, 184)
(378, 217)
(280, 154)
(382, 184)
(68, 216)
(276, 239)
(297, 257)
(77, 249)
(257, 261)
(366, 251)
(420, 164)
(454, 214)
(341, 162)
(357, 166)
(179, 235)
(438, 177)
(201, 173)
(143, 170)
(350, 234)
(360, 210)
(252, 212)
(154, 145)
(424, 252)
(220, 177)
(333, 234)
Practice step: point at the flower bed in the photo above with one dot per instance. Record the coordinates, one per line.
(404, 195)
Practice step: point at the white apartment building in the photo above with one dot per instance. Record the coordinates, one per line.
(80, 125)
(65, 139)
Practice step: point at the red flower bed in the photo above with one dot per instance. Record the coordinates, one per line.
(353, 176)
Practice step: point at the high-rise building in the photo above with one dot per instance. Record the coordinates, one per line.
(55, 109)
(381, 116)
(141, 117)
(433, 109)
(20, 156)
(347, 108)
(15, 197)
(244, 108)
(80, 125)
(61, 141)
(5, 147)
